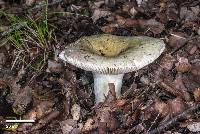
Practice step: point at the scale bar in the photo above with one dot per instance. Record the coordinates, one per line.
(20, 121)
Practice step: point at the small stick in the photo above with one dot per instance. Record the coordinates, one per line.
(175, 119)
(169, 87)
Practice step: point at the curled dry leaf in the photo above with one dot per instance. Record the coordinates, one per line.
(187, 14)
(195, 70)
(33, 52)
(3, 92)
(89, 125)
(39, 111)
(44, 121)
(70, 126)
(171, 87)
(178, 82)
(177, 39)
(179, 85)
(176, 106)
(108, 29)
(110, 3)
(161, 107)
(145, 80)
(154, 26)
(183, 65)
(191, 48)
(23, 101)
(76, 111)
(198, 31)
(123, 22)
(120, 102)
(105, 115)
(54, 67)
(194, 127)
(133, 11)
(99, 14)
(2, 59)
(197, 94)
(3, 28)
(190, 78)
(30, 2)
(3, 85)
(167, 62)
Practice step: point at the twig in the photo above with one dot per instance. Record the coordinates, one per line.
(175, 119)
(173, 90)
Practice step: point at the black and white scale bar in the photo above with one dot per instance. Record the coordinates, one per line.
(20, 121)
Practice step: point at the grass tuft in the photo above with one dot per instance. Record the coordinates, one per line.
(26, 34)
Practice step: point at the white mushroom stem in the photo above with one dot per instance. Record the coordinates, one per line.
(101, 87)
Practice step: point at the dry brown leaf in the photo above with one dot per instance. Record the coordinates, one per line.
(194, 127)
(176, 106)
(76, 111)
(154, 26)
(167, 62)
(23, 101)
(197, 94)
(98, 13)
(41, 110)
(70, 126)
(89, 125)
(108, 29)
(54, 67)
(195, 70)
(161, 107)
(2, 59)
(191, 48)
(30, 2)
(177, 39)
(183, 65)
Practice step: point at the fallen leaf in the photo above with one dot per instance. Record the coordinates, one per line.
(70, 126)
(161, 107)
(44, 121)
(23, 101)
(195, 69)
(187, 15)
(191, 48)
(108, 29)
(54, 67)
(197, 94)
(76, 111)
(177, 39)
(2, 60)
(167, 62)
(98, 13)
(176, 106)
(182, 65)
(36, 113)
(30, 2)
(154, 26)
(194, 127)
(89, 125)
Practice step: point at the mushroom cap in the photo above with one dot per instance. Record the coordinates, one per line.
(111, 54)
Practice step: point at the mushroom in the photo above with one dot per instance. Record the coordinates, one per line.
(109, 57)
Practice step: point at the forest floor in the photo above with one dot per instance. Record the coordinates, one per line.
(162, 97)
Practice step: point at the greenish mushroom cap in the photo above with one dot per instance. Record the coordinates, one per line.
(111, 54)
